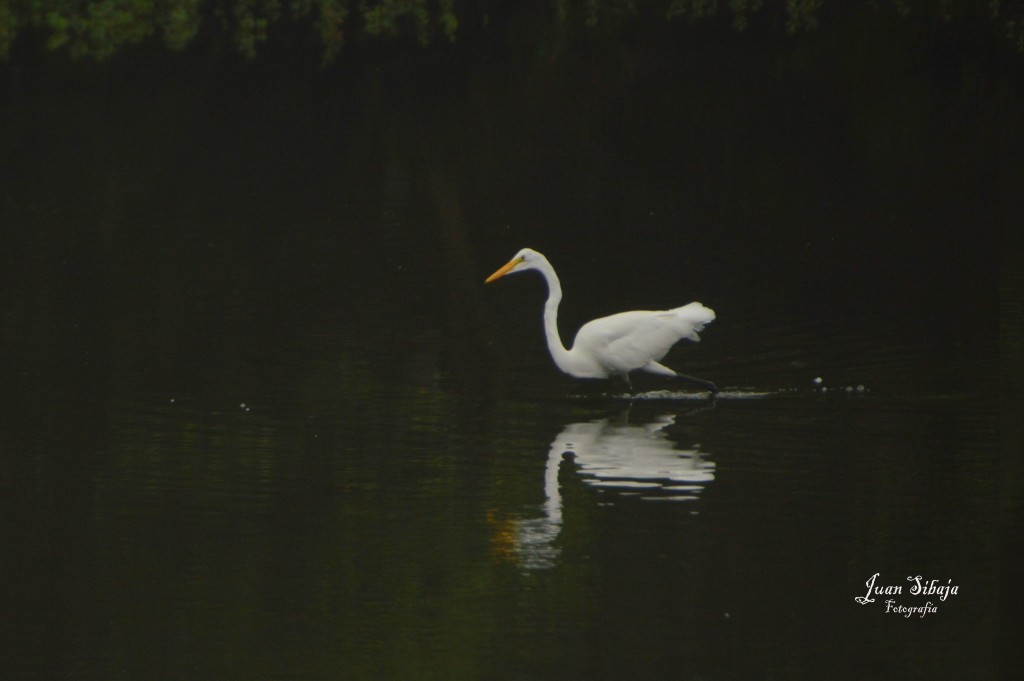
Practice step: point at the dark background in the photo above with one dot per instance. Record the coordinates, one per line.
(252, 381)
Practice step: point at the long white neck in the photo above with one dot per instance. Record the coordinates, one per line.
(563, 359)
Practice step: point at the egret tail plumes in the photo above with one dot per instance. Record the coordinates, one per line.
(692, 319)
(620, 343)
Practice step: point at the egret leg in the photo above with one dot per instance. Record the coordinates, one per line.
(707, 385)
(661, 369)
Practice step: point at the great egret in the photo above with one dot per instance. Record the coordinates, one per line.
(615, 345)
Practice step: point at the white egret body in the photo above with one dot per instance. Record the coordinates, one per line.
(620, 343)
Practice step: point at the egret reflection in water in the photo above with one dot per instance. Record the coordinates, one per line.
(618, 457)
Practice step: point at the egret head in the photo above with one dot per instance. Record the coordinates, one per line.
(526, 259)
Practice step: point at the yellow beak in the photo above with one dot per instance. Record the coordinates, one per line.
(505, 269)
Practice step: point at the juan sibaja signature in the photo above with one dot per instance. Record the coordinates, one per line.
(919, 587)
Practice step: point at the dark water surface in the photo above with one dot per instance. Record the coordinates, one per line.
(262, 419)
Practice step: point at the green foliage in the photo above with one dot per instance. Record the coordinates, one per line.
(384, 18)
(99, 28)
(330, 23)
(251, 19)
(801, 14)
(181, 24)
(741, 10)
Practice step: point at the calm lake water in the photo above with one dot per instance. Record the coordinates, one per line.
(261, 419)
